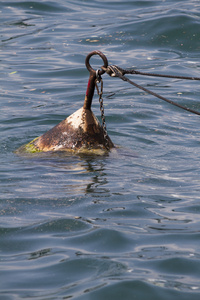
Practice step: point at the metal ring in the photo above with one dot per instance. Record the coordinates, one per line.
(104, 58)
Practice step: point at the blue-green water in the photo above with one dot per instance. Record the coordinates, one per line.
(123, 226)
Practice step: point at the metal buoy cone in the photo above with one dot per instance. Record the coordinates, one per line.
(81, 130)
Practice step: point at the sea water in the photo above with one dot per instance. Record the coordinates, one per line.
(118, 226)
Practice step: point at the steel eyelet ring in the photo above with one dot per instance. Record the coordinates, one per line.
(104, 58)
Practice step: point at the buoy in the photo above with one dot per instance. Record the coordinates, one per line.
(81, 131)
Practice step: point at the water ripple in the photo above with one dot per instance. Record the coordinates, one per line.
(121, 226)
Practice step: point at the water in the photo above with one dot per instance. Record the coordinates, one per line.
(122, 226)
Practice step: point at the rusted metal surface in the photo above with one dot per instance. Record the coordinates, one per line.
(81, 130)
(103, 57)
(93, 76)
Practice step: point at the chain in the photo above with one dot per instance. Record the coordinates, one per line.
(100, 93)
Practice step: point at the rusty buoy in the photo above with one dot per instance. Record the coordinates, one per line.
(81, 131)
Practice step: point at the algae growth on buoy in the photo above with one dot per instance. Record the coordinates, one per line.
(81, 131)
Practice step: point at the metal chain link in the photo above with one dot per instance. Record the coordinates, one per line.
(100, 93)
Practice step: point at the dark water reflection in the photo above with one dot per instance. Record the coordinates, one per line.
(125, 225)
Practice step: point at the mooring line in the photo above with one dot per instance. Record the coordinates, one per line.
(115, 71)
(132, 71)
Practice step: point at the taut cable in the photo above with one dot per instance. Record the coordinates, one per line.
(115, 71)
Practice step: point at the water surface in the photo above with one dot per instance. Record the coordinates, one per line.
(125, 225)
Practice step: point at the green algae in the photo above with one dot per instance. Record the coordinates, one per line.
(28, 148)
